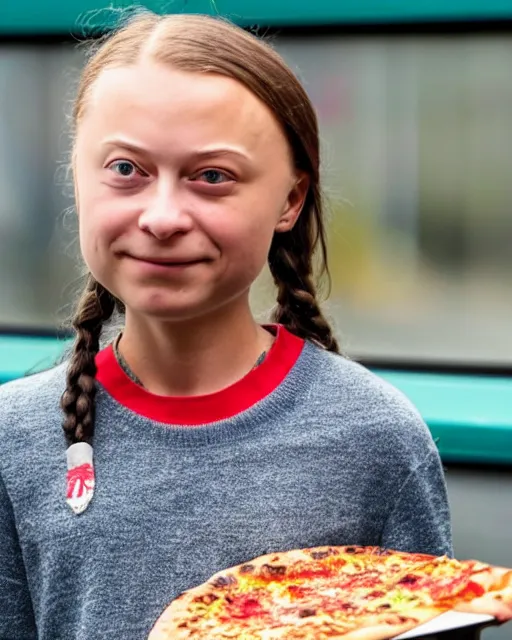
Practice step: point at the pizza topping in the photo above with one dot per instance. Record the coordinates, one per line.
(207, 598)
(272, 571)
(325, 553)
(224, 581)
(247, 568)
(306, 574)
(472, 590)
(244, 606)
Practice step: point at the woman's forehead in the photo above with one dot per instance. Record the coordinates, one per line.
(162, 105)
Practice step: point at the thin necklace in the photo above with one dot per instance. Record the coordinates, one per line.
(124, 365)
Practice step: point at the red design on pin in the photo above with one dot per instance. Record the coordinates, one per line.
(80, 481)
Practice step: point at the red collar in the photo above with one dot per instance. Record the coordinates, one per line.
(196, 410)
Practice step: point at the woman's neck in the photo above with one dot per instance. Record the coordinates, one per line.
(196, 357)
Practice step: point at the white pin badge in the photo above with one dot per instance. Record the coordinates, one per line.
(80, 476)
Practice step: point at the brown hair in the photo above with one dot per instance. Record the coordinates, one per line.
(211, 45)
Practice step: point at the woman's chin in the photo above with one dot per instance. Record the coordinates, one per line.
(169, 313)
(179, 306)
(169, 308)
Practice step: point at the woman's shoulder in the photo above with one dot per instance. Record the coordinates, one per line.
(355, 394)
(344, 378)
(43, 382)
(32, 398)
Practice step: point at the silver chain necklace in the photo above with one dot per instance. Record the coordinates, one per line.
(124, 365)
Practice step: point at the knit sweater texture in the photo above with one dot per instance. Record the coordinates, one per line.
(332, 455)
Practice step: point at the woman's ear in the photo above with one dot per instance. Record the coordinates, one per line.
(294, 203)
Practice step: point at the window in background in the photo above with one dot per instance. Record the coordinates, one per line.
(417, 143)
(417, 165)
(37, 239)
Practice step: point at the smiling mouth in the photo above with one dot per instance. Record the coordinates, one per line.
(168, 263)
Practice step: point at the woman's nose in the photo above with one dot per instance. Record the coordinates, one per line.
(165, 215)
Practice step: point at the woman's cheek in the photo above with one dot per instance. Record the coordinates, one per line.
(95, 239)
(105, 221)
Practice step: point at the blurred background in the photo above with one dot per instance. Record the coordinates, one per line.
(415, 108)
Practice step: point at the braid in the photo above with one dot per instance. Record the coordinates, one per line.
(290, 262)
(95, 306)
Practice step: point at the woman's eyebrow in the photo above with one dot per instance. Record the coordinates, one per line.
(207, 152)
(222, 151)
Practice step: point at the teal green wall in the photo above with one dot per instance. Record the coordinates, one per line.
(63, 16)
(469, 416)
(20, 355)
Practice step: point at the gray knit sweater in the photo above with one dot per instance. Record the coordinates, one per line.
(308, 449)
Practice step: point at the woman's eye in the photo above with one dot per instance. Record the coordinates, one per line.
(213, 176)
(123, 168)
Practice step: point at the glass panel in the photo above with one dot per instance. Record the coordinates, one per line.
(37, 238)
(417, 165)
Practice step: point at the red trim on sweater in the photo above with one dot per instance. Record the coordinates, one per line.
(195, 410)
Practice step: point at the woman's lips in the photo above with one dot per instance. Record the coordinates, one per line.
(166, 265)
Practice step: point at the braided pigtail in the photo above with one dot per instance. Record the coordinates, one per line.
(95, 307)
(291, 265)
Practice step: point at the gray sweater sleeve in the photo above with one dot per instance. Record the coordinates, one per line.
(16, 614)
(420, 518)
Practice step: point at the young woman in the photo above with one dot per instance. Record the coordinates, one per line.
(198, 439)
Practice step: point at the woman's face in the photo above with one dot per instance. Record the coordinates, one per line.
(181, 180)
